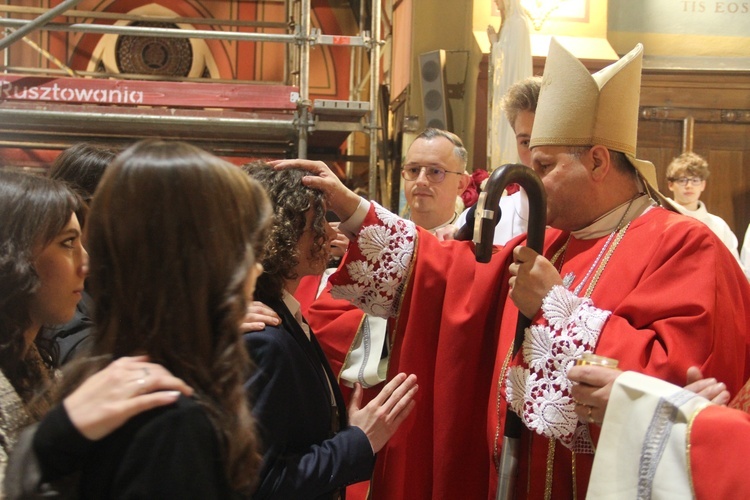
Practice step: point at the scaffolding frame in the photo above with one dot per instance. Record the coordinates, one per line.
(320, 116)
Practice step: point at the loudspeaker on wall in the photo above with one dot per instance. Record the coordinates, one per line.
(435, 106)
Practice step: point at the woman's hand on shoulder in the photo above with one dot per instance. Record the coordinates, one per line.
(125, 388)
(257, 317)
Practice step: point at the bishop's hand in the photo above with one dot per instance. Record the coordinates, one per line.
(532, 277)
(339, 198)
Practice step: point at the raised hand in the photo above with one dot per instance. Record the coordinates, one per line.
(384, 414)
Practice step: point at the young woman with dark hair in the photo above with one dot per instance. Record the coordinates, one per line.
(42, 267)
(81, 167)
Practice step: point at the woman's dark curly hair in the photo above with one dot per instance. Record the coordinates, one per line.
(172, 235)
(291, 200)
(35, 210)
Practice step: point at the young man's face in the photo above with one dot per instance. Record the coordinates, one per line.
(522, 128)
(312, 263)
(686, 188)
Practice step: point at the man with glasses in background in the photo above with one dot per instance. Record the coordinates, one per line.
(686, 179)
(435, 175)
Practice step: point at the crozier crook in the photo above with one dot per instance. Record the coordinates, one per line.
(486, 215)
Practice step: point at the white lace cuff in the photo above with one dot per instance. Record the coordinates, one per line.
(376, 268)
(539, 389)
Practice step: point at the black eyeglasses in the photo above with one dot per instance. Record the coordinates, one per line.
(683, 181)
(434, 174)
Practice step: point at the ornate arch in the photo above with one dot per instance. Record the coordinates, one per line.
(182, 57)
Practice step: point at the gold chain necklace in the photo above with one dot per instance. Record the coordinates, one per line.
(601, 261)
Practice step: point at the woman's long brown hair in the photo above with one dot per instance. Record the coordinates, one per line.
(173, 232)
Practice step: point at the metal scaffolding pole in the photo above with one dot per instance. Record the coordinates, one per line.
(155, 32)
(304, 79)
(117, 16)
(374, 80)
(37, 23)
(289, 52)
(26, 117)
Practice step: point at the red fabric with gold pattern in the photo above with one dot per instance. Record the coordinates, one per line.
(741, 400)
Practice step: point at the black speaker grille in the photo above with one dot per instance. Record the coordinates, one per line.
(433, 100)
(437, 123)
(430, 71)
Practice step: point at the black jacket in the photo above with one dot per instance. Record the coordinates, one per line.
(290, 391)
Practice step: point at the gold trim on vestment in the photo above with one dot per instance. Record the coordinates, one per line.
(495, 451)
(357, 336)
(550, 469)
(688, 432)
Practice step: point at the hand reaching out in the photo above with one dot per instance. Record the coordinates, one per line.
(382, 416)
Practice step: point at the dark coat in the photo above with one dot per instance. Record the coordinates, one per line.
(171, 451)
(290, 391)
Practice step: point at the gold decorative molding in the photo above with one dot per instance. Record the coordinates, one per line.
(665, 113)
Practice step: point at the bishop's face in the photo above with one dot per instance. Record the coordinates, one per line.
(567, 181)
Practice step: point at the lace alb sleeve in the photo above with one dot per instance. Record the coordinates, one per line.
(377, 265)
(538, 389)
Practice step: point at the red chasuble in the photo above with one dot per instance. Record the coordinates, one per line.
(677, 298)
(446, 334)
(669, 297)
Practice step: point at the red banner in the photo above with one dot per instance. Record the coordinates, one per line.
(147, 93)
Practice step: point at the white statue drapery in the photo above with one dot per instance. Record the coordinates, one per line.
(510, 62)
